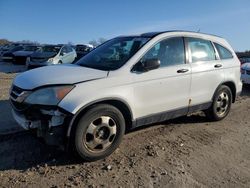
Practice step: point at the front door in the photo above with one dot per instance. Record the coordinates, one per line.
(163, 93)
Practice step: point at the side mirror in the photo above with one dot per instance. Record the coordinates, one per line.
(147, 65)
(62, 53)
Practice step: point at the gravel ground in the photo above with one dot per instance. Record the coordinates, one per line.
(185, 152)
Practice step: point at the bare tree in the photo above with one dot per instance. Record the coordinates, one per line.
(96, 43)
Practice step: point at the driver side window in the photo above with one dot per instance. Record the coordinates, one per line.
(169, 52)
(63, 50)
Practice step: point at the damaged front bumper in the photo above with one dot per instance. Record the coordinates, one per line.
(49, 123)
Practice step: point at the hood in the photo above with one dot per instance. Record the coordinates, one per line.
(246, 66)
(43, 54)
(57, 74)
(23, 53)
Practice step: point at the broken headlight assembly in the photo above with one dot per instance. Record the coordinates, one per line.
(49, 95)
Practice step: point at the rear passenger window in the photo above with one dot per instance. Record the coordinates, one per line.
(201, 50)
(169, 52)
(223, 52)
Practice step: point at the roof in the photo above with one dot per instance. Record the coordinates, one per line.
(153, 34)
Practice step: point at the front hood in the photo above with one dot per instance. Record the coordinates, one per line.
(246, 66)
(23, 53)
(43, 54)
(56, 74)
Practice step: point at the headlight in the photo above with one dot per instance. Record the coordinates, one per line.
(49, 96)
(50, 60)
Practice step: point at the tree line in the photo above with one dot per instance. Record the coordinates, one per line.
(93, 42)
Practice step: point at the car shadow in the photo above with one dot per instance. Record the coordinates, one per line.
(22, 151)
(7, 123)
(245, 91)
(7, 67)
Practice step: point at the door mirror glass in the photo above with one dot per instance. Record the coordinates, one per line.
(147, 65)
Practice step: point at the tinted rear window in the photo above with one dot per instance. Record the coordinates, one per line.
(223, 52)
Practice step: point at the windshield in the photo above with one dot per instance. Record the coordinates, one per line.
(30, 48)
(82, 48)
(113, 54)
(55, 49)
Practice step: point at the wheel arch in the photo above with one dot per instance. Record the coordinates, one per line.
(232, 87)
(120, 104)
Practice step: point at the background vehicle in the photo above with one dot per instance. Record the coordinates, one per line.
(245, 72)
(7, 47)
(127, 82)
(51, 55)
(7, 53)
(82, 50)
(20, 57)
(244, 60)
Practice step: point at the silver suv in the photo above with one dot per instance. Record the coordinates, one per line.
(127, 82)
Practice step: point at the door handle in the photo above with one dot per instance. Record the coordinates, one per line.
(217, 65)
(182, 70)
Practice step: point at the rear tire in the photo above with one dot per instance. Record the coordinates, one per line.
(99, 132)
(221, 105)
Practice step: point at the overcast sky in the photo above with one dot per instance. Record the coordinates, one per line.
(79, 21)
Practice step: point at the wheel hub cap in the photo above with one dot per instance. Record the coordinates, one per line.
(222, 104)
(100, 134)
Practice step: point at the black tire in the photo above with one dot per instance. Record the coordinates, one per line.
(91, 143)
(221, 105)
(59, 62)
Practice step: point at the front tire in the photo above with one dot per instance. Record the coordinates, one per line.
(221, 105)
(99, 132)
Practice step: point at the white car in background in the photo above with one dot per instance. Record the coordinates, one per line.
(245, 73)
(51, 55)
(127, 82)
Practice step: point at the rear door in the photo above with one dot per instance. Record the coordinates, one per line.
(207, 72)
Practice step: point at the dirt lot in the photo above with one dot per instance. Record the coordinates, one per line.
(185, 152)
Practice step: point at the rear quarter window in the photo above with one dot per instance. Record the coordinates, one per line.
(224, 53)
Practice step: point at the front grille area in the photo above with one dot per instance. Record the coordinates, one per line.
(20, 59)
(14, 94)
(38, 59)
(248, 72)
